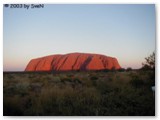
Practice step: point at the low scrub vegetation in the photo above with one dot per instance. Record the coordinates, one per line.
(117, 93)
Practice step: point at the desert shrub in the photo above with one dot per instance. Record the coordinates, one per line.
(148, 77)
(110, 79)
(76, 80)
(137, 82)
(105, 70)
(35, 79)
(121, 70)
(93, 77)
(129, 69)
(55, 80)
(70, 75)
(9, 90)
(31, 76)
(88, 101)
(17, 89)
(22, 88)
(87, 82)
(12, 106)
(66, 79)
(94, 83)
(152, 78)
(36, 87)
(9, 82)
(11, 77)
(88, 97)
(47, 78)
(103, 87)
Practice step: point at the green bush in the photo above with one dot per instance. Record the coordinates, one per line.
(66, 80)
(93, 77)
(136, 82)
(76, 80)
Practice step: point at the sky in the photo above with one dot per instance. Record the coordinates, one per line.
(127, 32)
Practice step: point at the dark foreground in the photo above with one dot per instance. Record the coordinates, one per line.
(79, 93)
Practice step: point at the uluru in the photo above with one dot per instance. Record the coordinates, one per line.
(73, 61)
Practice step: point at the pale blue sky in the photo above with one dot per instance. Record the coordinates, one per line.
(126, 32)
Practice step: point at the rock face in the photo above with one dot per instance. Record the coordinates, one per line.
(73, 61)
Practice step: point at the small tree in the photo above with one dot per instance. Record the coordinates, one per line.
(150, 62)
(129, 69)
(121, 69)
(150, 65)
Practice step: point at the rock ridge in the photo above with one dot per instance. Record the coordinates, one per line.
(73, 61)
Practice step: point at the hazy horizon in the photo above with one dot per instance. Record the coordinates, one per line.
(126, 32)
